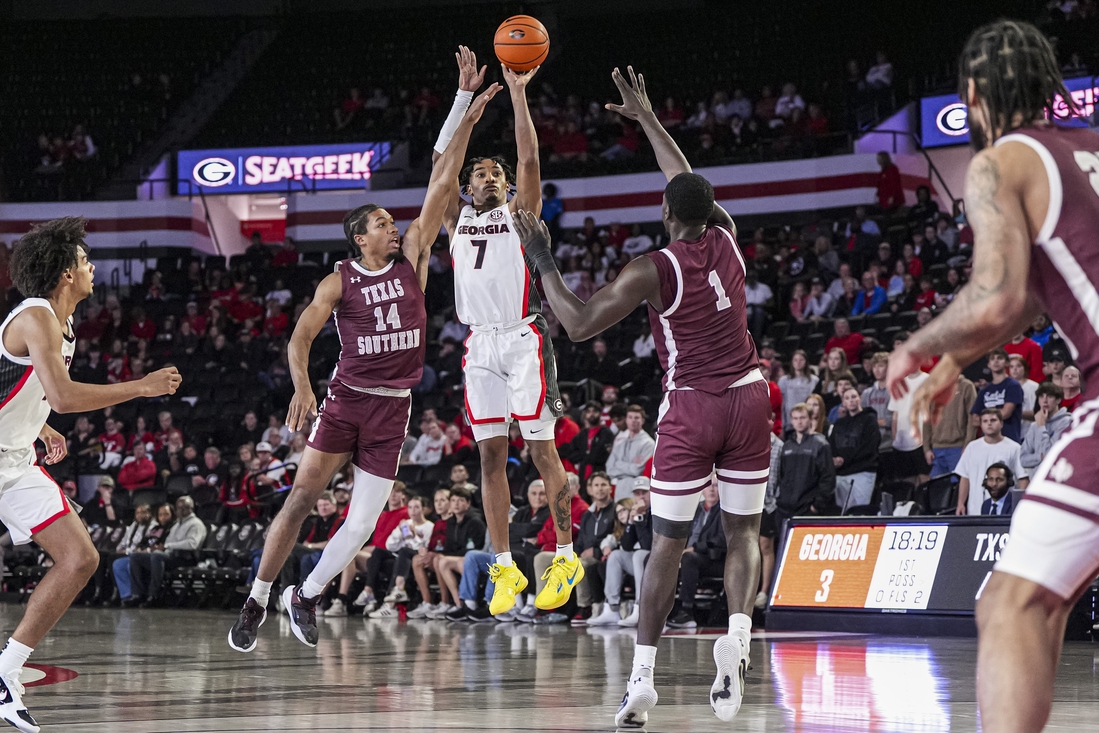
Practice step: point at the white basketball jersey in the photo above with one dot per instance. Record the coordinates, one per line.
(493, 285)
(23, 405)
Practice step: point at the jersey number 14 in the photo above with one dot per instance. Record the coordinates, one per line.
(393, 318)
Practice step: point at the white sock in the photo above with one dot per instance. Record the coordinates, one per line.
(564, 551)
(644, 658)
(504, 558)
(13, 658)
(471, 605)
(740, 627)
(261, 591)
(311, 589)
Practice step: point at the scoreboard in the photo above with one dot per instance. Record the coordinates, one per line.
(928, 566)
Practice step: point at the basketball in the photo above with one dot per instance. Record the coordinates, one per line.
(521, 43)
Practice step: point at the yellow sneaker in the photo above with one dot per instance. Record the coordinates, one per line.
(561, 577)
(509, 583)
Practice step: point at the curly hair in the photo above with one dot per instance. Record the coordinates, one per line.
(1015, 71)
(354, 223)
(467, 172)
(43, 255)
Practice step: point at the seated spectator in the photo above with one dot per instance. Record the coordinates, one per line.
(631, 450)
(819, 304)
(599, 365)
(997, 484)
(105, 508)
(425, 557)
(704, 555)
(285, 256)
(1070, 384)
(855, 439)
(112, 443)
(181, 547)
(133, 538)
(1042, 330)
(249, 430)
(237, 495)
(1019, 370)
(638, 243)
(139, 472)
(850, 343)
(670, 115)
(524, 528)
(1031, 352)
(591, 447)
(991, 448)
(153, 541)
(1050, 421)
(403, 544)
(871, 298)
(214, 473)
(595, 525)
(313, 538)
(626, 145)
(457, 448)
(547, 538)
(1055, 362)
(464, 532)
(375, 557)
(876, 397)
(799, 298)
(629, 558)
(166, 431)
(789, 101)
(759, 298)
(836, 410)
(571, 144)
(897, 282)
(924, 211)
(429, 446)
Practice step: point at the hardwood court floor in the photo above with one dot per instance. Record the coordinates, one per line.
(160, 671)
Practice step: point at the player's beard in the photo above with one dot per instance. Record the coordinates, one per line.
(397, 256)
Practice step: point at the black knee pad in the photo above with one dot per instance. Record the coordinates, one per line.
(672, 529)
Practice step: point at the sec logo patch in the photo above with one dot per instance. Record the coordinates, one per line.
(496, 215)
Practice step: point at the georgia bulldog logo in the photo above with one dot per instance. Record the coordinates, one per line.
(496, 215)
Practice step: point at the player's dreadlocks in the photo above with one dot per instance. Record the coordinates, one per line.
(43, 255)
(1016, 75)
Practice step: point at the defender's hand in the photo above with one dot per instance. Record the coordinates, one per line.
(535, 236)
(635, 100)
(303, 410)
(161, 382)
(477, 107)
(469, 78)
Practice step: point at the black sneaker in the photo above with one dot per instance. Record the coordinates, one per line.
(582, 616)
(682, 620)
(12, 710)
(480, 616)
(303, 615)
(245, 632)
(461, 613)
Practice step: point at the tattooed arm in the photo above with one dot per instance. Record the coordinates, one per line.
(994, 304)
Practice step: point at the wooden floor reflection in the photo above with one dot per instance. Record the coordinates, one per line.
(161, 671)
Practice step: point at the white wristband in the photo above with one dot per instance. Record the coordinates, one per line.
(462, 101)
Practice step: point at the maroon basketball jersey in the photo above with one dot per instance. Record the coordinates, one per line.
(702, 336)
(1064, 263)
(381, 320)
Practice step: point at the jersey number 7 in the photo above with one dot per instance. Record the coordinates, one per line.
(481, 245)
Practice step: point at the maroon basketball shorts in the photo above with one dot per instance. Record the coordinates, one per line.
(698, 432)
(1054, 537)
(370, 425)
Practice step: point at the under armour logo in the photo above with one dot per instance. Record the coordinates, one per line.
(1062, 471)
(356, 279)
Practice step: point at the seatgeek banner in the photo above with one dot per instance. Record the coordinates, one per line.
(944, 120)
(296, 169)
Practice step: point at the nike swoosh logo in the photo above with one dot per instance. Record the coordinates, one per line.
(532, 432)
(524, 334)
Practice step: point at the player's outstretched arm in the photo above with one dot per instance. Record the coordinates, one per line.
(470, 79)
(41, 332)
(636, 106)
(637, 283)
(303, 405)
(528, 172)
(994, 305)
(422, 232)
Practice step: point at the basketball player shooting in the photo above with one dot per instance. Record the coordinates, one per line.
(50, 267)
(715, 412)
(509, 364)
(1032, 198)
(378, 299)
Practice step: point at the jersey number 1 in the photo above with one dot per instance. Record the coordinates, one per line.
(481, 245)
(723, 301)
(1089, 163)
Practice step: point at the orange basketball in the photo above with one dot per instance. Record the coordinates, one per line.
(521, 43)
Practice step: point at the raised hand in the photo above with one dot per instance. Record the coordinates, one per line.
(469, 78)
(477, 107)
(635, 99)
(161, 382)
(517, 81)
(535, 236)
(303, 409)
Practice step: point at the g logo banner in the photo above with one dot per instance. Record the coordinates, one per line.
(214, 172)
(953, 120)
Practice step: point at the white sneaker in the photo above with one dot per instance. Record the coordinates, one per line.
(370, 606)
(639, 699)
(336, 610)
(606, 618)
(422, 610)
(633, 619)
(441, 611)
(12, 709)
(397, 595)
(363, 598)
(388, 610)
(761, 600)
(727, 692)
